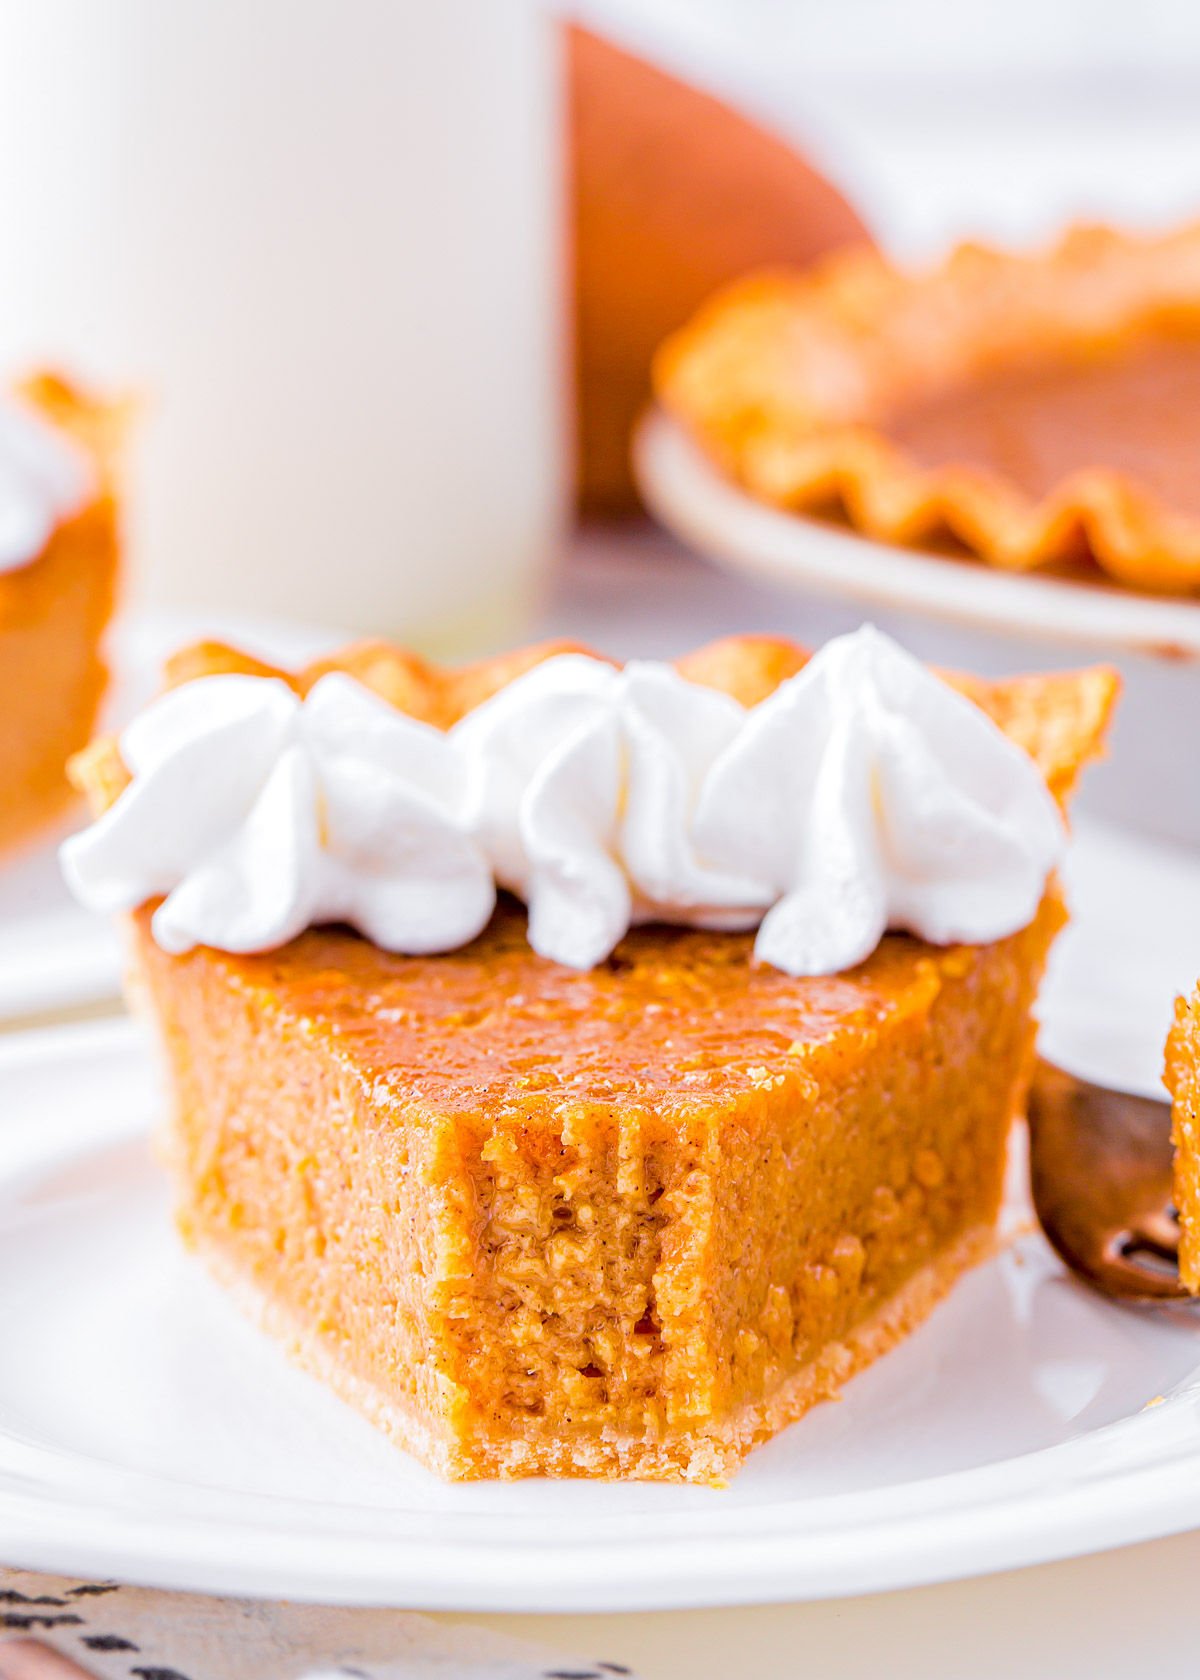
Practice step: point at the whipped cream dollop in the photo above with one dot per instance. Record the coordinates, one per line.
(44, 479)
(863, 794)
(256, 814)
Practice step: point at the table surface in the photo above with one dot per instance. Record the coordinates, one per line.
(1110, 1617)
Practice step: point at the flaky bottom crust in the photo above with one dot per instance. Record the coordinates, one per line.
(709, 1454)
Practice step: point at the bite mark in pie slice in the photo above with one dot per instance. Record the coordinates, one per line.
(620, 1222)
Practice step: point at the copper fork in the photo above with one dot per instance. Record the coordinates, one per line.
(1100, 1169)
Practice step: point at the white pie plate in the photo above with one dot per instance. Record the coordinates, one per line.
(960, 613)
(147, 1433)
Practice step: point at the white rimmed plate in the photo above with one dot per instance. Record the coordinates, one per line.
(959, 612)
(147, 1432)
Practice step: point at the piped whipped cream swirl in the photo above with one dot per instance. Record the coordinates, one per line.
(863, 794)
(44, 479)
(256, 815)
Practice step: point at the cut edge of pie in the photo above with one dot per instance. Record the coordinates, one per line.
(1182, 1079)
(53, 614)
(789, 380)
(409, 1172)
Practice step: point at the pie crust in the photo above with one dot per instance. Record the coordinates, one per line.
(1039, 410)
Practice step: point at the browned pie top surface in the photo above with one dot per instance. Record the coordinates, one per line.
(678, 1016)
(1135, 411)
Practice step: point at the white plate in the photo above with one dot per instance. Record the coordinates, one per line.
(960, 613)
(53, 953)
(147, 1432)
(1132, 946)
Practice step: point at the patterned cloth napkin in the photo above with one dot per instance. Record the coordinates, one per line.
(100, 1629)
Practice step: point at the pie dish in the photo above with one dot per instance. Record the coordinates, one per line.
(1038, 411)
(621, 1222)
(1183, 1082)
(54, 607)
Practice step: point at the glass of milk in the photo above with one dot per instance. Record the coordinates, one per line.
(319, 240)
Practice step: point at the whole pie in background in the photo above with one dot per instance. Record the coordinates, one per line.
(1039, 410)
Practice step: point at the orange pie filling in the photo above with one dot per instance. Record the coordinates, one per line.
(621, 1220)
(1132, 411)
(54, 608)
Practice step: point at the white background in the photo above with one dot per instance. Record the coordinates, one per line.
(948, 120)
